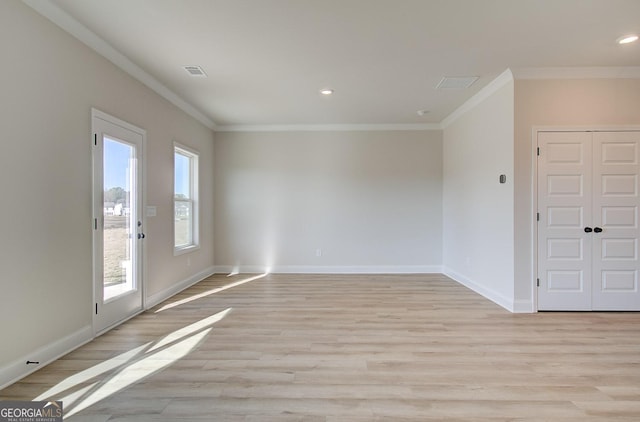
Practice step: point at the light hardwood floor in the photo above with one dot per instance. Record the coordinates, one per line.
(348, 348)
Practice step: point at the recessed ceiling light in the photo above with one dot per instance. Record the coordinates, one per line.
(326, 91)
(627, 39)
(422, 112)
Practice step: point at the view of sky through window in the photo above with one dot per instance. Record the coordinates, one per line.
(181, 181)
(116, 164)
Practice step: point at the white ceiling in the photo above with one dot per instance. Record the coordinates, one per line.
(267, 59)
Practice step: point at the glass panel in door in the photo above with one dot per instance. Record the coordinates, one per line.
(119, 221)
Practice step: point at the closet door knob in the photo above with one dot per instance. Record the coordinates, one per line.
(597, 230)
(588, 229)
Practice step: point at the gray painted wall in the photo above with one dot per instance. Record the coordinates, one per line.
(49, 82)
(371, 201)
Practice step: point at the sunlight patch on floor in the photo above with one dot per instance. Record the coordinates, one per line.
(210, 292)
(130, 367)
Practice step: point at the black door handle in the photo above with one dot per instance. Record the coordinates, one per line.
(141, 236)
(588, 229)
(597, 230)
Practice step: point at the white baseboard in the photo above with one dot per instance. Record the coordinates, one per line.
(336, 269)
(523, 307)
(18, 369)
(176, 288)
(490, 294)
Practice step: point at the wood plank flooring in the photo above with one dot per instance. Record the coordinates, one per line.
(347, 348)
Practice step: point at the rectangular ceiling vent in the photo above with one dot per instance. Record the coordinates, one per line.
(456, 82)
(195, 71)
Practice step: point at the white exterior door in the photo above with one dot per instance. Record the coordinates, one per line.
(118, 230)
(588, 221)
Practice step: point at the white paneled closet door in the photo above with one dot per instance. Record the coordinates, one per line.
(564, 204)
(588, 200)
(615, 203)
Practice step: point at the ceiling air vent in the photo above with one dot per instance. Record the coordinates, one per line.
(195, 71)
(456, 82)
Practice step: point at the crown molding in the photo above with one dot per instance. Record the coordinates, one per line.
(328, 127)
(601, 72)
(55, 14)
(68, 23)
(488, 90)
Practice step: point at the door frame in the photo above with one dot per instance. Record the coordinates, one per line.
(535, 130)
(142, 197)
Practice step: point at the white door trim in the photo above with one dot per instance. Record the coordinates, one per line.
(534, 183)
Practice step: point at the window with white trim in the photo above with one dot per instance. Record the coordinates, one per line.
(185, 199)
